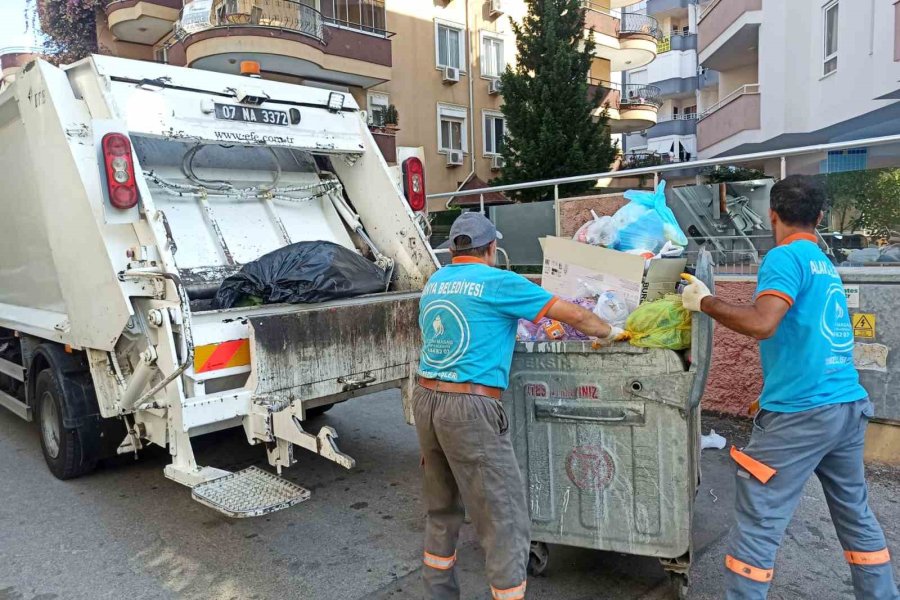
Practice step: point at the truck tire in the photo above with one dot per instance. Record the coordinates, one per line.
(63, 450)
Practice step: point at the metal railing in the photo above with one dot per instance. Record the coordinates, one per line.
(681, 117)
(656, 171)
(707, 8)
(638, 23)
(21, 50)
(631, 94)
(750, 88)
(628, 23)
(288, 15)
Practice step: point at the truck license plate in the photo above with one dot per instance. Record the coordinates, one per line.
(251, 114)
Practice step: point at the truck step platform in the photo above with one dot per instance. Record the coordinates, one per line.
(250, 492)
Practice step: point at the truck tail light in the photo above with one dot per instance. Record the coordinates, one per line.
(414, 183)
(120, 181)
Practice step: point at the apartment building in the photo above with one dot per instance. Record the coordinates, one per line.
(799, 73)
(426, 70)
(677, 74)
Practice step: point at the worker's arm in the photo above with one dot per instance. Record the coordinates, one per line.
(584, 321)
(758, 320)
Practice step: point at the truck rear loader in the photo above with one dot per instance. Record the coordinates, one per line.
(131, 191)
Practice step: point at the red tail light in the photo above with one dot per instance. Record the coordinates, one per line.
(414, 183)
(120, 181)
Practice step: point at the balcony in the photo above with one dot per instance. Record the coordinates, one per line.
(12, 59)
(737, 112)
(679, 125)
(660, 8)
(386, 140)
(289, 38)
(142, 21)
(728, 33)
(630, 107)
(627, 41)
(677, 42)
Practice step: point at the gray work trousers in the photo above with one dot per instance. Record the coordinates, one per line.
(468, 460)
(827, 441)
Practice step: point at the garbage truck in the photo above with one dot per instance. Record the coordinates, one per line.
(131, 191)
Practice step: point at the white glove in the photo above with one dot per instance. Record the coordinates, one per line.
(616, 334)
(694, 293)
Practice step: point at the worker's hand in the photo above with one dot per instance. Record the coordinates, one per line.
(694, 293)
(616, 334)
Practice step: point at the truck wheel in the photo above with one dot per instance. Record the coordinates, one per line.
(62, 448)
(318, 411)
(538, 558)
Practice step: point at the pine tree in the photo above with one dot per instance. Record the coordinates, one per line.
(550, 129)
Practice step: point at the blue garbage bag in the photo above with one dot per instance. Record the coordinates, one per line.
(646, 223)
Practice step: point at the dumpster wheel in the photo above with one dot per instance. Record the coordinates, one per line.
(679, 584)
(538, 558)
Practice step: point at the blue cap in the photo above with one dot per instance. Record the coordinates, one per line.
(477, 227)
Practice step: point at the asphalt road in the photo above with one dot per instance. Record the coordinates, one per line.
(128, 532)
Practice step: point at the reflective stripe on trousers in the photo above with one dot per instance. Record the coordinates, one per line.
(468, 459)
(784, 451)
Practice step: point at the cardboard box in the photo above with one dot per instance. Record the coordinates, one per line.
(662, 277)
(567, 264)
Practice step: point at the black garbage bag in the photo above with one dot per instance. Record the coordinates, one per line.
(305, 272)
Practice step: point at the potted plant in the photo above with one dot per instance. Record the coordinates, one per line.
(391, 118)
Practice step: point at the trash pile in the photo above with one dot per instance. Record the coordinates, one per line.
(304, 272)
(624, 268)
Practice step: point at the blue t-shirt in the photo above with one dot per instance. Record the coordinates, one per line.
(468, 316)
(809, 360)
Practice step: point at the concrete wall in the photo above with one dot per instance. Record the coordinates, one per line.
(735, 78)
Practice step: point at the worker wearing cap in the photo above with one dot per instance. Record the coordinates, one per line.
(813, 411)
(468, 316)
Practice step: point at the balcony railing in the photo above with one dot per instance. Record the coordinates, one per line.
(630, 94)
(287, 15)
(628, 23)
(750, 88)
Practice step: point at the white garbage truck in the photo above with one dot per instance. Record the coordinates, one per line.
(130, 191)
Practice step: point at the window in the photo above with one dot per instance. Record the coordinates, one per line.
(378, 104)
(452, 128)
(494, 133)
(493, 60)
(366, 15)
(831, 37)
(450, 45)
(841, 161)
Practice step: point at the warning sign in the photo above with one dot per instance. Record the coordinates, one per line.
(864, 325)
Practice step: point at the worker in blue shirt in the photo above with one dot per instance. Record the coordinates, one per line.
(468, 316)
(812, 412)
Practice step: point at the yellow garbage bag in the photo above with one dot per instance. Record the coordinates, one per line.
(663, 323)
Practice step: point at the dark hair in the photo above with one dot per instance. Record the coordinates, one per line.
(798, 200)
(464, 240)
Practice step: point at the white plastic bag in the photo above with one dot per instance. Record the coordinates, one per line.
(599, 231)
(611, 308)
(712, 440)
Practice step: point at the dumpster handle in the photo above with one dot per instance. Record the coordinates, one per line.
(583, 418)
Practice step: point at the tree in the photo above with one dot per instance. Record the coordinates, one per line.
(723, 174)
(550, 129)
(865, 200)
(69, 27)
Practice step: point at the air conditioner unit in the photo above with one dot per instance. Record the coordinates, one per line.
(496, 7)
(454, 158)
(494, 87)
(497, 163)
(451, 75)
